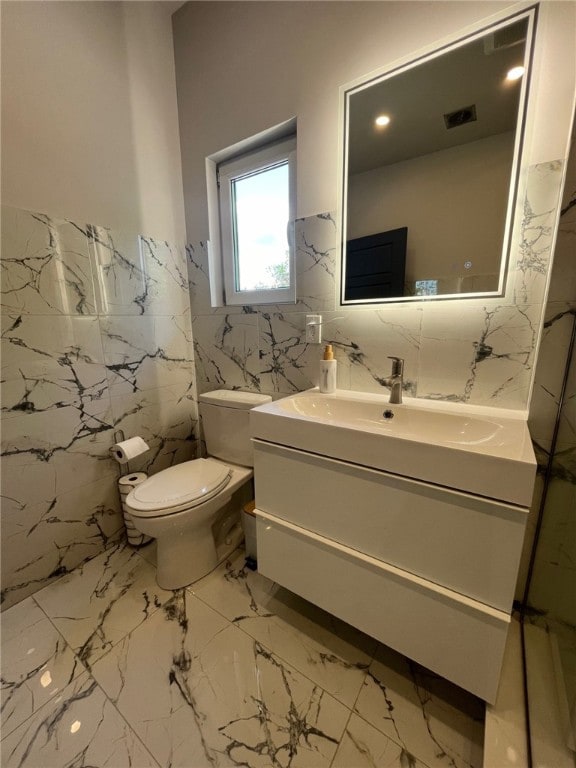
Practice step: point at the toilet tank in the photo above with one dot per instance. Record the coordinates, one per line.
(225, 421)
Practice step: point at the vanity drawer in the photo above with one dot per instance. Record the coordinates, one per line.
(467, 543)
(450, 634)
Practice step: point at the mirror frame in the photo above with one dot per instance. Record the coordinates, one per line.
(402, 65)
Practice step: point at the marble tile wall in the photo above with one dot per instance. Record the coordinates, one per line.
(96, 337)
(478, 351)
(552, 587)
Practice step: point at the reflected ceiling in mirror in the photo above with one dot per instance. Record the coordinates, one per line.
(431, 154)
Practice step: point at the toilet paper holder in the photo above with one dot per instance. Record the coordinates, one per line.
(119, 436)
(124, 450)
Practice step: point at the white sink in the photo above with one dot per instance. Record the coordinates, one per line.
(401, 420)
(480, 450)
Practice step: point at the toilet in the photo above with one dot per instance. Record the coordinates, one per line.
(193, 509)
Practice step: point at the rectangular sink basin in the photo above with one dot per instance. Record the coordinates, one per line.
(480, 450)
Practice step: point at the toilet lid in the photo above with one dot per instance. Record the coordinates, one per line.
(185, 485)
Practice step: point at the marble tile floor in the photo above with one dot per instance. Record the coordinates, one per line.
(103, 668)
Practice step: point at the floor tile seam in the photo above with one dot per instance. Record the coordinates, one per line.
(81, 665)
(113, 645)
(39, 606)
(4, 733)
(48, 702)
(380, 731)
(139, 550)
(391, 739)
(354, 711)
(438, 700)
(112, 543)
(405, 746)
(373, 725)
(85, 673)
(78, 660)
(281, 657)
(341, 738)
(123, 717)
(56, 579)
(229, 623)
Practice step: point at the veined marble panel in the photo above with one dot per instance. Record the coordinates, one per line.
(363, 746)
(90, 318)
(166, 418)
(45, 266)
(199, 691)
(46, 454)
(565, 456)
(551, 587)
(554, 566)
(363, 339)
(136, 275)
(226, 351)
(41, 542)
(316, 263)
(147, 352)
(329, 652)
(79, 727)
(287, 363)
(50, 362)
(531, 256)
(483, 353)
(199, 278)
(36, 663)
(556, 332)
(166, 266)
(104, 600)
(563, 281)
(422, 713)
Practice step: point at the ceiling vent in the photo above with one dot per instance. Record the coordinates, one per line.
(505, 37)
(460, 116)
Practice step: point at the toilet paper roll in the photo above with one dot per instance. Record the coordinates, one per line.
(125, 484)
(129, 449)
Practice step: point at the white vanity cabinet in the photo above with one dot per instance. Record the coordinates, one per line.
(428, 570)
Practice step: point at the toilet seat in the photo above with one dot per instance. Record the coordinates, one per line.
(184, 486)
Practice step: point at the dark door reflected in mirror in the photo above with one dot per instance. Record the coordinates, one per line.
(376, 265)
(432, 152)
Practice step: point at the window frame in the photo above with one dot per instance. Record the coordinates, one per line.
(268, 156)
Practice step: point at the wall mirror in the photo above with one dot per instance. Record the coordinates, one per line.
(431, 157)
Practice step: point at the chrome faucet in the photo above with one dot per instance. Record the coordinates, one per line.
(395, 380)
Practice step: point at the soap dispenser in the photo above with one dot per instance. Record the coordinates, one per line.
(328, 371)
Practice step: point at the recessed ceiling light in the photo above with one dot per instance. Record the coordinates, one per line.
(382, 120)
(515, 73)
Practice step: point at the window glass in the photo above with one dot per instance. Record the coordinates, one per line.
(256, 202)
(261, 214)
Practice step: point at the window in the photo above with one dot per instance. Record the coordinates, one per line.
(426, 288)
(256, 203)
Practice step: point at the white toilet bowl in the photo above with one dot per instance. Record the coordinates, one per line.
(193, 509)
(179, 507)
